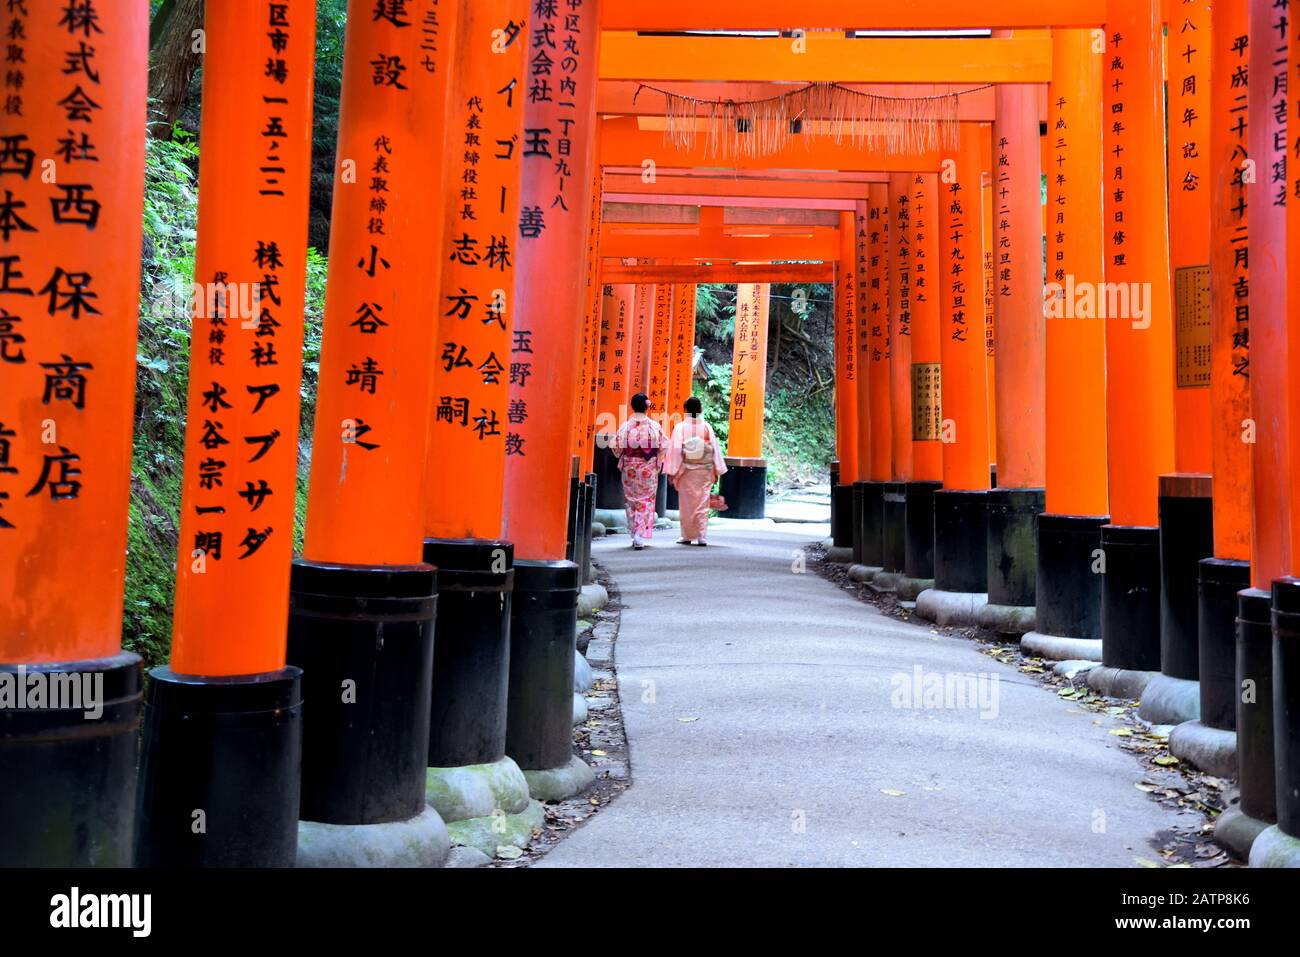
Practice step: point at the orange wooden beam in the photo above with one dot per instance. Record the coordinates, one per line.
(848, 14)
(815, 243)
(727, 273)
(629, 183)
(761, 173)
(750, 202)
(1024, 58)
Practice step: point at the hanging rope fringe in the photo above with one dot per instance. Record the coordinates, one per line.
(891, 125)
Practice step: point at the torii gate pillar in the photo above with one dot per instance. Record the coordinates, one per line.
(744, 485)
(69, 772)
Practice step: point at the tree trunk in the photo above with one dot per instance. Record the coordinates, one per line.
(173, 60)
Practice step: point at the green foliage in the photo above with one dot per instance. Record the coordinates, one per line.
(715, 312)
(313, 316)
(331, 19)
(798, 436)
(162, 378)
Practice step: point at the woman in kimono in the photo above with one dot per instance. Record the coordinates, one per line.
(639, 448)
(694, 463)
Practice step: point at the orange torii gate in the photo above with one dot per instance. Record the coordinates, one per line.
(1093, 417)
(364, 540)
(1269, 430)
(469, 431)
(1139, 353)
(228, 667)
(1068, 585)
(1210, 741)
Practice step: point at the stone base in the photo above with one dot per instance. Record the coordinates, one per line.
(583, 679)
(1070, 668)
(462, 857)
(1060, 647)
(579, 708)
(582, 636)
(884, 582)
(1007, 619)
(610, 519)
(558, 784)
(1275, 848)
(950, 607)
(1169, 700)
(899, 585)
(476, 790)
(864, 573)
(591, 599)
(838, 555)
(1238, 831)
(1120, 682)
(907, 589)
(1213, 750)
(487, 834)
(421, 841)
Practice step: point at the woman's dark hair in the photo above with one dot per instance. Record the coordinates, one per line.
(693, 406)
(640, 402)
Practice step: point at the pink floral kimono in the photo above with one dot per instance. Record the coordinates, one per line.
(694, 480)
(638, 446)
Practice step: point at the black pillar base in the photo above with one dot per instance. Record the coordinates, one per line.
(961, 545)
(1130, 597)
(365, 745)
(835, 502)
(68, 792)
(744, 486)
(1186, 536)
(220, 770)
(1286, 702)
(869, 518)
(671, 502)
(856, 497)
(471, 650)
(1068, 589)
(589, 516)
(893, 527)
(1013, 545)
(661, 497)
(1216, 622)
(609, 480)
(1254, 696)
(919, 518)
(582, 522)
(542, 627)
(574, 508)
